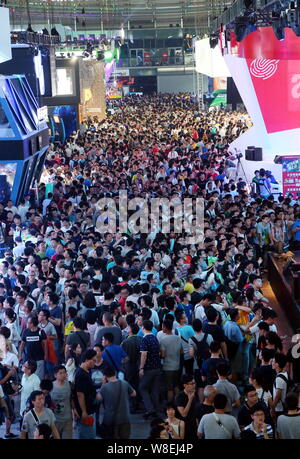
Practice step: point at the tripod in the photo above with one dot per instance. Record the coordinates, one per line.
(239, 167)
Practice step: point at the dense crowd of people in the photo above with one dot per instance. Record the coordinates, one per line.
(96, 326)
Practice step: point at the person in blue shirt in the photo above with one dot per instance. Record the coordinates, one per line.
(186, 306)
(145, 315)
(185, 332)
(113, 354)
(296, 232)
(235, 340)
(231, 329)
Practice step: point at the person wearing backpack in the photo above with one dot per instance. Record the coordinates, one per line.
(281, 385)
(185, 332)
(199, 350)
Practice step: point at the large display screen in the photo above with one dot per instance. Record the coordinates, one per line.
(67, 114)
(65, 82)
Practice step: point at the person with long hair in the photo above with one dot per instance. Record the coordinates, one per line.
(73, 360)
(174, 426)
(11, 319)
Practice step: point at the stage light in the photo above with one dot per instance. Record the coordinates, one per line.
(248, 3)
(30, 29)
(54, 32)
(213, 41)
(278, 30)
(241, 28)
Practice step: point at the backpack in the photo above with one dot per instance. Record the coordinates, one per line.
(289, 385)
(7, 387)
(288, 381)
(202, 350)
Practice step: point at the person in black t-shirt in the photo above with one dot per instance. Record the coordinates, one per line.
(150, 370)
(251, 399)
(185, 402)
(208, 403)
(208, 370)
(215, 330)
(34, 343)
(197, 295)
(266, 370)
(85, 395)
(97, 374)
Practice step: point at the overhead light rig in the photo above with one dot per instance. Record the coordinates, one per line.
(34, 38)
(244, 16)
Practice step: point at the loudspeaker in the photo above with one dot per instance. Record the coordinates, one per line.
(249, 154)
(257, 154)
(253, 154)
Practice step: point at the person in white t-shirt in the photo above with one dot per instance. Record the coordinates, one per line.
(30, 382)
(280, 386)
(10, 359)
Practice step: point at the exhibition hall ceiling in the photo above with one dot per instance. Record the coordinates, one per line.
(111, 14)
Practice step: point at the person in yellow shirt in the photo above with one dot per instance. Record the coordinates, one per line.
(189, 285)
(70, 315)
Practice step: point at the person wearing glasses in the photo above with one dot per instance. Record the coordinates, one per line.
(185, 402)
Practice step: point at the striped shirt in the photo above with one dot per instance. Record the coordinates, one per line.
(260, 435)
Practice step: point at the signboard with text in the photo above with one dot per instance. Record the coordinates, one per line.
(291, 175)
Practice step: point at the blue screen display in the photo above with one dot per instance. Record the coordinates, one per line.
(68, 113)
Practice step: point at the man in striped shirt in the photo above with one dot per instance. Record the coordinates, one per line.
(262, 430)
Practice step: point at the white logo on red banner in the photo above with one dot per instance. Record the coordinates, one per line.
(263, 68)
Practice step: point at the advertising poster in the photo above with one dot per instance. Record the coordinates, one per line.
(291, 175)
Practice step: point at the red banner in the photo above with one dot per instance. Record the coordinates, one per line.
(291, 175)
